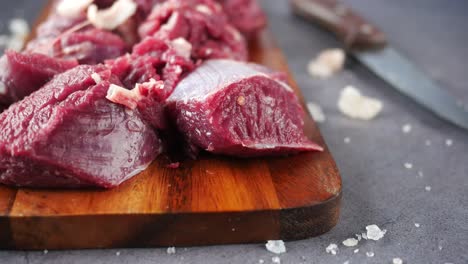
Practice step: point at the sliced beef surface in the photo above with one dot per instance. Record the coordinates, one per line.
(21, 74)
(69, 135)
(231, 108)
(246, 15)
(202, 23)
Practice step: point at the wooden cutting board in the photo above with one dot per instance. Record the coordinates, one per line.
(214, 200)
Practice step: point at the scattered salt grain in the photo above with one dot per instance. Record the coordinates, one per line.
(428, 188)
(46, 251)
(356, 250)
(171, 250)
(117, 253)
(275, 246)
(327, 63)
(353, 104)
(332, 249)
(406, 128)
(417, 225)
(420, 174)
(397, 261)
(370, 254)
(408, 165)
(347, 140)
(350, 242)
(19, 27)
(316, 112)
(261, 261)
(364, 235)
(276, 260)
(346, 262)
(449, 142)
(374, 232)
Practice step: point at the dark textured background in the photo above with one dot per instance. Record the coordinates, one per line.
(377, 187)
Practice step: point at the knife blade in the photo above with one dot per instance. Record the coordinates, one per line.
(369, 46)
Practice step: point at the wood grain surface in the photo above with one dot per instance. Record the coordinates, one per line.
(214, 200)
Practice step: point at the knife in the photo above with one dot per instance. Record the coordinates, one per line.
(368, 45)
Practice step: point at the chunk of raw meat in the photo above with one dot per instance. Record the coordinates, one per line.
(246, 15)
(22, 74)
(150, 74)
(228, 107)
(202, 23)
(68, 135)
(91, 46)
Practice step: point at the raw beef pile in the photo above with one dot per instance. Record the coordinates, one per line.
(108, 85)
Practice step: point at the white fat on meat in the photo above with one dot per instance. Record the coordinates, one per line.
(327, 63)
(73, 8)
(113, 16)
(96, 77)
(171, 22)
(120, 95)
(183, 47)
(355, 105)
(203, 9)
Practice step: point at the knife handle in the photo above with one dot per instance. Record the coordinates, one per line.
(353, 30)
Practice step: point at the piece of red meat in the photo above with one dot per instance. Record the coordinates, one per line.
(202, 23)
(228, 107)
(90, 46)
(23, 73)
(151, 73)
(68, 135)
(246, 15)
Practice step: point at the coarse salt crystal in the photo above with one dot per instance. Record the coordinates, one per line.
(353, 104)
(417, 225)
(359, 237)
(406, 128)
(374, 232)
(364, 235)
(350, 242)
(397, 261)
(112, 17)
(370, 254)
(332, 249)
(408, 165)
(261, 261)
(449, 142)
(346, 262)
(356, 250)
(316, 112)
(275, 246)
(117, 253)
(420, 174)
(276, 260)
(327, 63)
(171, 250)
(428, 188)
(46, 251)
(347, 140)
(19, 27)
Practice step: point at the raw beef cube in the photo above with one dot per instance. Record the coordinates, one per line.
(90, 46)
(21, 74)
(68, 135)
(230, 108)
(202, 23)
(246, 15)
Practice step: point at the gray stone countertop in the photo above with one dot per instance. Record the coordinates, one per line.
(378, 189)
